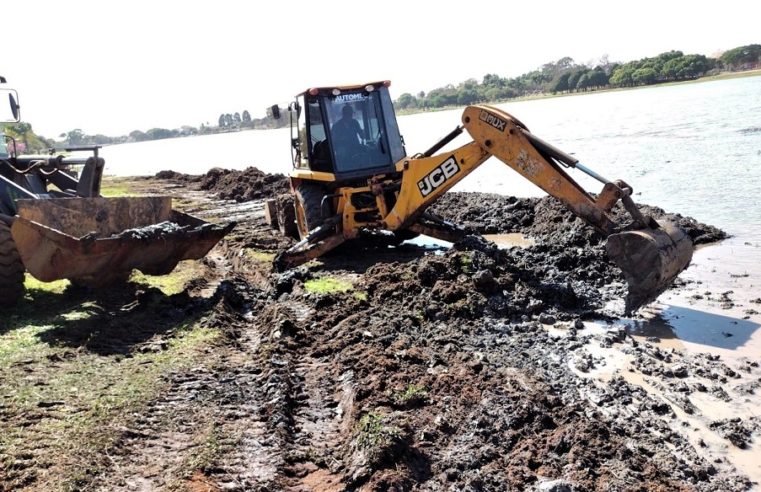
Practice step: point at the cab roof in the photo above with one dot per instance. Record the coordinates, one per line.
(350, 87)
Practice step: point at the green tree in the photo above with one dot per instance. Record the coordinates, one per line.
(560, 83)
(622, 76)
(644, 76)
(741, 56)
(583, 83)
(75, 137)
(138, 136)
(406, 101)
(493, 80)
(597, 78)
(159, 133)
(573, 78)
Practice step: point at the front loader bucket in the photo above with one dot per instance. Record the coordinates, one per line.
(96, 241)
(650, 259)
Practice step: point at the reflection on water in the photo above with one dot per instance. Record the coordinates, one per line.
(717, 309)
(695, 326)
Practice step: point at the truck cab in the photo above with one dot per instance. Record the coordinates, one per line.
(341, 133)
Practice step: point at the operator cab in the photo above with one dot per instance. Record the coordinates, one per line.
(348, 131)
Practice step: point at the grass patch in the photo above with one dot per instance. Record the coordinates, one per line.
(64, 404)
(76, 366)
(413, 392)
(55, 287)
(112, 187)
(258, 255)
(174, 282)
(374, 432)
(327, 285)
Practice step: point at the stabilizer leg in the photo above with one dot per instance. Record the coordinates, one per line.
(316, 244)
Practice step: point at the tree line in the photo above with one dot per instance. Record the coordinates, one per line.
(566, 76)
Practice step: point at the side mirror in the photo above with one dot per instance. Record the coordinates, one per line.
(274, 112)
(14, 115)
(14, 106)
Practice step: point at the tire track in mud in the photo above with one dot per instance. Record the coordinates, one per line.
(153, 451)
(304, 409)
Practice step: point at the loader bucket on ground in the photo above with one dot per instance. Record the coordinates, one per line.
(650, 260)
(96, 241)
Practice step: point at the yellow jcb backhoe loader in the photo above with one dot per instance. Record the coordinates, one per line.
(351, 173)
(56, 226)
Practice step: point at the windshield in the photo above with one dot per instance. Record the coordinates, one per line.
(357, 134)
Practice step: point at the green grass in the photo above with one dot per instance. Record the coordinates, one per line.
(373, 431)
(55, 287)
(115, 191)
(327, 285)
(413, 392)
(91, 394)
(70, 374)
(172, 283)
(258, 255)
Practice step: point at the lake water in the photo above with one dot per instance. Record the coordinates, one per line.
(693, 148)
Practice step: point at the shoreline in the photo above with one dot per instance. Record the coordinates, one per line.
(709, 78)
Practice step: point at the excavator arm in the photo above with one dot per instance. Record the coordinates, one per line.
(649, 253)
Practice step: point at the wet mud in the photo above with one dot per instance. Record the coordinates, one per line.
(473, 368)
(229, 184)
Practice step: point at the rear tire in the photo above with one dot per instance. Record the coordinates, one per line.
(308, 207)
(11, 269)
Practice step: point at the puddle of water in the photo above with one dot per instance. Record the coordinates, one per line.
(429, 242)
(717, 312)
(700, 435)
(504, 241)
(510, 240)
(612, 361)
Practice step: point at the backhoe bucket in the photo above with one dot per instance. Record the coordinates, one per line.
(97, 241)
(650, 260)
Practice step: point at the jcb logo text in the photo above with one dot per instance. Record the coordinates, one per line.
(438, 176)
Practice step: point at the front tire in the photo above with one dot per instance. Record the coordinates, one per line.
(11, 269)
(308, 207)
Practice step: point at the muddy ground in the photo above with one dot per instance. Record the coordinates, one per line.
(470, 368)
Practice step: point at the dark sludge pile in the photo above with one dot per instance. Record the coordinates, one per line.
(568, 251)
(438, 372)
(228, 184)
(153, 231)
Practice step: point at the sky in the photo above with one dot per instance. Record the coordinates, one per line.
(115, 66)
